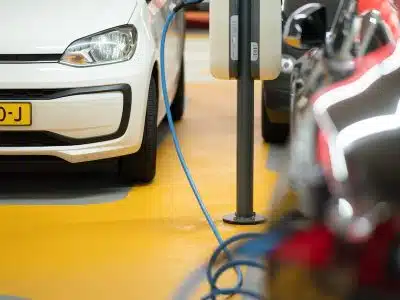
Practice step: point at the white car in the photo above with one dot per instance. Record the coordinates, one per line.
(80, 80)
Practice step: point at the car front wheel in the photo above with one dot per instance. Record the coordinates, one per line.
(140, 167)
(273, 132)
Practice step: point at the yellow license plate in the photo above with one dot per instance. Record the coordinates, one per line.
(15, 114)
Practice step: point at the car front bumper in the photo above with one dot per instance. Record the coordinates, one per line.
(78, 114)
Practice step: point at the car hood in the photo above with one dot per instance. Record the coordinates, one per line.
(49, 26)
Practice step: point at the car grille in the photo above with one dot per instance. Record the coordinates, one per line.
(29, 94)
(29, 58)
(30, 139)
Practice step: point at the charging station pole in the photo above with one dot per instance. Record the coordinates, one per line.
(244, 214)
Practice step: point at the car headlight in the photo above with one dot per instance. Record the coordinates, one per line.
(110, 46)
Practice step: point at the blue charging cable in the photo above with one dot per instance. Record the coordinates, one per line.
(272, 240)
(172, 126)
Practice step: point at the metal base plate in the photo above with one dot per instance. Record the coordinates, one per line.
(234, 219)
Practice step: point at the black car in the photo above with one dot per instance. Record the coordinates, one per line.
(276, 93)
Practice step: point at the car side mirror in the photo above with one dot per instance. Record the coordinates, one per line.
(306, 27)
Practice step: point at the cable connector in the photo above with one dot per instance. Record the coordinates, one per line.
(178, 6)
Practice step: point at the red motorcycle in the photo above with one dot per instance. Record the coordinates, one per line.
(344, 170)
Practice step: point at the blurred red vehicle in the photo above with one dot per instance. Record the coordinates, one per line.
(344, 171)
(198, 15)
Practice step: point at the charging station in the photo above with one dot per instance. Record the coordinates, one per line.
(245, 45)
(256, 24)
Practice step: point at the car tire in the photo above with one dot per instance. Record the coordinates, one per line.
(140, 167)
(273, 133)
(178, 104)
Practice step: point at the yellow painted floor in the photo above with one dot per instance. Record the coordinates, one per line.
(144, 245)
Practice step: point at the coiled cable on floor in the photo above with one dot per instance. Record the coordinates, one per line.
(255, 246)
(212, 279)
